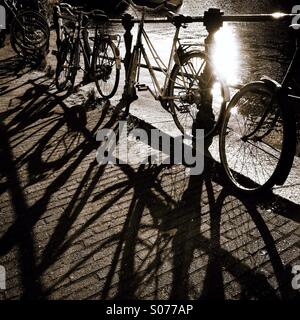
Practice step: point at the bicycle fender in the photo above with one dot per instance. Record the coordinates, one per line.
(183, 54)
(272, 83)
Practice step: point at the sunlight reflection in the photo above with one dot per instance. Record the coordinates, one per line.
(234, 111)
(217, 92)
(277, 15)
(226, 56)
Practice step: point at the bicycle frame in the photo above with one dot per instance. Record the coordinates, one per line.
(139, 52)
(80, 41)
(11, 6)
(80, 30)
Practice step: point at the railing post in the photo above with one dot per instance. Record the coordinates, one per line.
(57, 26)
(213, 21)
(205, 119)
(127, 97)
(127, 22)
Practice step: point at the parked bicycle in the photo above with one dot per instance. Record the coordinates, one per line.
(29, 31)
(192, 89)
(258, 134)
(100, 53)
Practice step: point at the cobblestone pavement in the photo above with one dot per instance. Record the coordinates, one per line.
(71, 229)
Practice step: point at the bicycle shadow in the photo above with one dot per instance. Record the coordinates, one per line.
(204, 263)
(163, 233)
(26, 124)
(12, 67)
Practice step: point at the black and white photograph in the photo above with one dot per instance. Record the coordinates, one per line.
(150, 153)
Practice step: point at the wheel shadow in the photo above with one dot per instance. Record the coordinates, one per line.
(211, 243)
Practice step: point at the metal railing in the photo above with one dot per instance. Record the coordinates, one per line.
(212, 19)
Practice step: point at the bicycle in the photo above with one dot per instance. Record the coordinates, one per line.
(258, 134)
(102, 61)
(192, 89)
(29, 31)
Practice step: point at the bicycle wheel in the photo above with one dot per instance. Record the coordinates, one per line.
(106, 68)
(257, 139)
(196, 94)
(30, 33)
(66, 66)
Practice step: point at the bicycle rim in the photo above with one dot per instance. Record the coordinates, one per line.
(65, 69)
(30, 37)
(106, 70)
(254, 139)
(29, 32)
(197, 96)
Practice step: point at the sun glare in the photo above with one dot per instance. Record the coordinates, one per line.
(226, 55)
(277, 15)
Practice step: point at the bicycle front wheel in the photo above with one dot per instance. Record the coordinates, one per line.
(196, 94)
(257, 139)
(106, 68)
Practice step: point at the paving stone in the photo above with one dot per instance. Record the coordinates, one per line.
(102, 232)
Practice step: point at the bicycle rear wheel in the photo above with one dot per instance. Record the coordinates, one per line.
(30, 33)
(106, 68)
(257, 139)
(66, 67)
(196, 94)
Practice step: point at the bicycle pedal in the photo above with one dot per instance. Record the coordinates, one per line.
(54, 52)
(142, 87)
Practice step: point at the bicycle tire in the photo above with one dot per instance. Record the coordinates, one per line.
(200, 96)
(66, 62)
(255, 163)
(103, 69)
(35, 22)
